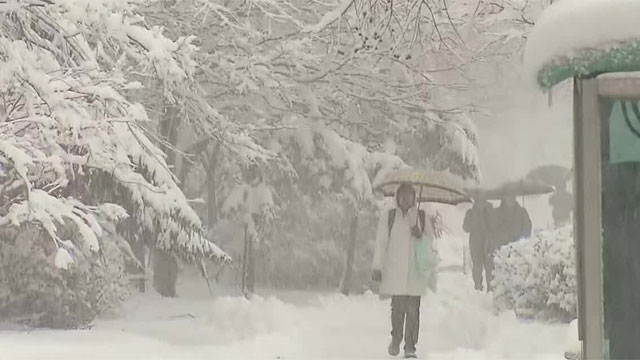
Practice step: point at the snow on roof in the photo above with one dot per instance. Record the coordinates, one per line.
(621, 75)
(568, 28)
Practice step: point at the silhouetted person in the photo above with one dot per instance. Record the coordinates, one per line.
(512, 222)
(478, 223)
(561, 205)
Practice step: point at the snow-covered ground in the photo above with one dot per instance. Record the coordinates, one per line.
(456, 323)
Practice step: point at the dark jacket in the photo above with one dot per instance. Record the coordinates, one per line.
(562, 205)
(478, 222)
(512, 223)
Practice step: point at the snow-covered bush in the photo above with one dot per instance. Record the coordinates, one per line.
(536, 277)
(35, 290)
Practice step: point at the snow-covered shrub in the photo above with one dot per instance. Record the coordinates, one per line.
(536, 277)
(35, 290)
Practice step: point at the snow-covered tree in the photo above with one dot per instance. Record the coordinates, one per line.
(295, 79)
(323, 98)
(73, 147)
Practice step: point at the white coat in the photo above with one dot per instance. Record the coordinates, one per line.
(395, 255)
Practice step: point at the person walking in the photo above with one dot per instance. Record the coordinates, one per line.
(512, 222)
(478, 222)
(394, 266)
(562, 205)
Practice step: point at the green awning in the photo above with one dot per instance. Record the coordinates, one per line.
(620, 57)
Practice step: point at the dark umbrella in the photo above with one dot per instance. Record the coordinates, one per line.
(477, 193)
(550, 174)
(524, 187)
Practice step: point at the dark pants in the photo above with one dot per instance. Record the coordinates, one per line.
(488, 269)
(405, 314)
(482, 261)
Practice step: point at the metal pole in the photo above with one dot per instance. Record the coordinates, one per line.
(588, 223)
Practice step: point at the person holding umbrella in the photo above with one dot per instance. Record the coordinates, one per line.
(561, 201)
(395, 268)
(404, 259)
(479, 222)
(512, 222)
(561, 205)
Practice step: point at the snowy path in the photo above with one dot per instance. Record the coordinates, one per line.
(456, 324)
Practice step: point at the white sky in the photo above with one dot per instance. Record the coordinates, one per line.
(525, 132)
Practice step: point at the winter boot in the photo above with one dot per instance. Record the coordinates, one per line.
(394, 349)
(410, 355)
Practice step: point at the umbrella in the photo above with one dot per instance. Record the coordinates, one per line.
(477, 193)
(430, 186)
(550, 174)
(524, 187)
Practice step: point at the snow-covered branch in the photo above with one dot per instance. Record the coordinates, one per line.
(80, 126)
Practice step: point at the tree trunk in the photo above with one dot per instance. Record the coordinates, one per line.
(165, 266)
(165, 273)
(212, 203)
(140, 251)
(248, 264)
(211, 167)
(245, 254)
(251, 268)
(169, 130)
(351, 252)
(210, 160)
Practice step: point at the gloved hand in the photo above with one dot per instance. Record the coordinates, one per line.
(377, 275)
